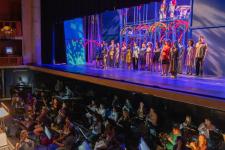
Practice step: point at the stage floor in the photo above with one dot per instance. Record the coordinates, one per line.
(206, 86)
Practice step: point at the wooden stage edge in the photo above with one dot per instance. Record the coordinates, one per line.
(212, 103)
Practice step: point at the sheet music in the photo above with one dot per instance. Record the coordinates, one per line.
(3, 112)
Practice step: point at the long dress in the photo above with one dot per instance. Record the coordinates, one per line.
(190, 56)
(117, 57)
(128, 58)
(147, 56)
(165, 54)
(173, 61)
(111, 55)
(181, 59)
(123, 56)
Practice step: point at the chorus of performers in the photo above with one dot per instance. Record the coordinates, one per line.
(169, 58)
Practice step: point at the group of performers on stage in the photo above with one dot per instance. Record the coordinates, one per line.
(166, 56)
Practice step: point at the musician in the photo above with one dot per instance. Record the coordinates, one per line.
(101, 110)
(107, 140)
(65, 143)
(38, 129)
(201, 144)
(172, 137)
(25, 143)
(205, 127)
(96, 127)
(92, 107)
(28, 118)
(141, 111)
(67, 126)
(113, 114)
(58, 87)
(125, 120)
(16, 101)
(61, 114)
(187, 123)
(68, 92)
(115, 102)
(54, 108)
(152, 117)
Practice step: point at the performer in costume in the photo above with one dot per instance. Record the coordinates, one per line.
(174, 60)
(181, 52)
(136, 51)
(156, 61)
(165, 58)
(99, 55)
(142, 55)
(111, 53)
(151, 57)
(123, 54)
(162, 11)
(117, 55)
(128, 57)
(201, 49)
(104, 55)
(190, 57)
(172, 7)
(148, 54)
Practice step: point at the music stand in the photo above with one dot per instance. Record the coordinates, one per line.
(4, 111)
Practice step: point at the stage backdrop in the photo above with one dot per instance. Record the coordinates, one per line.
(74, 41)
(209, 21)
(208, 13)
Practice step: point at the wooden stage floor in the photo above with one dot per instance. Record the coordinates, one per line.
(205, 91)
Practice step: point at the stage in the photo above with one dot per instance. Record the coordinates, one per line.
(207, 91)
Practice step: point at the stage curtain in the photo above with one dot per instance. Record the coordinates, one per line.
(93, 35)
